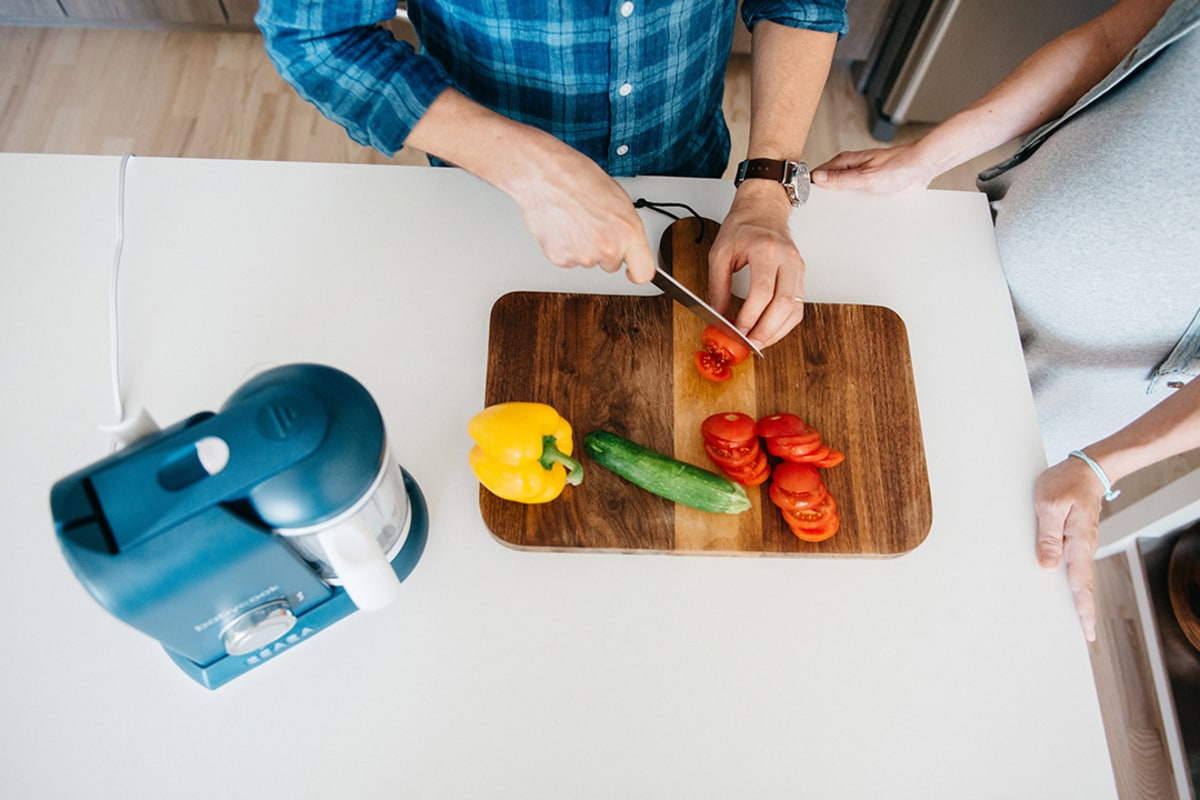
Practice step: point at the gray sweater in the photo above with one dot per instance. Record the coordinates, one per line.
(1098, 226)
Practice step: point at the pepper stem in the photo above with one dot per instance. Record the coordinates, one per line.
(551, 455)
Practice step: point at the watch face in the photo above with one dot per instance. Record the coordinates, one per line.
(801, 183)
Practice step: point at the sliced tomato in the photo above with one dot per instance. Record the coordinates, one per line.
(729, 427)
(785, 424)
(712, 367)
(752, 474)
(797, 478)
(819, 454)
(717, 342)
(788, 501)
(813, 517)
(799, 452)
(834, 458)
(733, 456)
(817, 534)
(756, 479)
(810, 440)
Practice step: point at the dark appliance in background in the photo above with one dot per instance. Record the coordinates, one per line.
(932, 58)
(1170, 563)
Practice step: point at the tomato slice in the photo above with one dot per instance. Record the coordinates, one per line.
(813, 517)
(752, 474)
(712, 367)
(834, 458)
(788, 501)
(757, 479)
(717, 342)
(729, 426)
(811, 440)
(797, 478)
(733, 456)
(785, 424)
(799, 452)
(818, 534)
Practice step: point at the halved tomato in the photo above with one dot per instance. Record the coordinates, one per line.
(713, 367)
(717, 342)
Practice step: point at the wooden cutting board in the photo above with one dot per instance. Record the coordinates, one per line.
(625, 364)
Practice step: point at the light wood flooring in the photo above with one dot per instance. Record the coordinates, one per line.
(216, 95)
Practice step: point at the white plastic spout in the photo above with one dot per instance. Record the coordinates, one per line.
(360, 564)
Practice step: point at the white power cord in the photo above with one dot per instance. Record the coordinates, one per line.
(124, 430)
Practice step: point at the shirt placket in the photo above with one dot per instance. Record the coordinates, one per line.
(1182, 364)
(623, 159)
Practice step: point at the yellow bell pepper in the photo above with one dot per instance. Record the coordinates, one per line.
(522, 452)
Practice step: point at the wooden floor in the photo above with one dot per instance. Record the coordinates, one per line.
(216, 95)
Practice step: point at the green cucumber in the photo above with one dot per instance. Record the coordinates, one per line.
(664, 476)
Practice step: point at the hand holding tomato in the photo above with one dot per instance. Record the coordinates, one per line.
(756, 235)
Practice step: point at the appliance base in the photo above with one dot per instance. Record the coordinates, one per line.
(318, 618)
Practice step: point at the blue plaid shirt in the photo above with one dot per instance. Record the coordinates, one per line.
(634, 84)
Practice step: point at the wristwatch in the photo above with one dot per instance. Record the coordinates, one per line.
(792, 174)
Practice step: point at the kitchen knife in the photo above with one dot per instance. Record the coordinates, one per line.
(664, 280)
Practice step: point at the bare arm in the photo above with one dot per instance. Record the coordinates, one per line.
(789, 67)
(1067, 496)
(577, 213)
(1040, 89)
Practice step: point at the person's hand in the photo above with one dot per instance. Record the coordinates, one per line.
(1067, 500)
(581, 217)
(755, 234)
(577, 214)
(880, 171)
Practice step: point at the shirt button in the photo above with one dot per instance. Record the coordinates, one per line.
(625, 89)
(623, 149)
(626, 9)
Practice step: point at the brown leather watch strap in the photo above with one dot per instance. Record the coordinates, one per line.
(768, 168)
(791, 175)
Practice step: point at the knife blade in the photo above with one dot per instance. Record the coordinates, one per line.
(681, 294)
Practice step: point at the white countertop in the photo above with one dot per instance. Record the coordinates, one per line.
(955, 671)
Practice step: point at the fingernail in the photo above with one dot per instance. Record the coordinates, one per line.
(819, 176)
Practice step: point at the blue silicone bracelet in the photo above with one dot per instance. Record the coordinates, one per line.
(1109, 494)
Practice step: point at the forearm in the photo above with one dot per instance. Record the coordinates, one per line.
(577, 213)
(789, 67)
(788, 71)
(1043, 87)
(1170, 428)
(510, 155)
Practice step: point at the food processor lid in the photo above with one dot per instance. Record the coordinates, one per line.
(340, 470)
